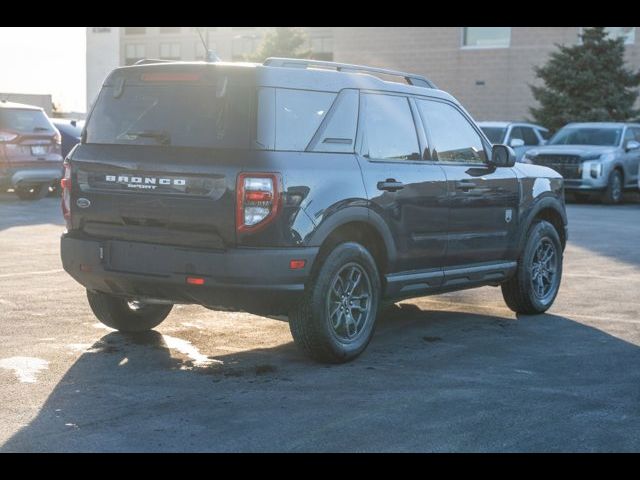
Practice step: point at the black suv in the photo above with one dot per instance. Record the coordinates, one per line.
(312, 189)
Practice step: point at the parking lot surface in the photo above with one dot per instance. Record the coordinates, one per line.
(455, 372)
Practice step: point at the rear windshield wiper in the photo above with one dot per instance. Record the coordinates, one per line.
(163, 137)
(40, 129)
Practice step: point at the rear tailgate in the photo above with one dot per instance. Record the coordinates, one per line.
(163, 147)
(142, 194)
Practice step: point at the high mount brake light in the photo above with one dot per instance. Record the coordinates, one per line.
(257, 200)
(65, 183)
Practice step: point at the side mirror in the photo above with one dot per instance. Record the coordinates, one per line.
(516, 142)
(502, 156)
(632, 145)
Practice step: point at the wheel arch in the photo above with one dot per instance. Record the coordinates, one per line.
(361, 225)
(551, 210)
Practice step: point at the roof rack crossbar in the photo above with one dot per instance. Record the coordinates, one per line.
(410, 78)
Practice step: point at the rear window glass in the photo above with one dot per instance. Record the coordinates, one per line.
(299, 113)
(24, 121)
(173, 114)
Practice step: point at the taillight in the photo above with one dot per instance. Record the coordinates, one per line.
(7, 136)
(258, 200)
(65, 183)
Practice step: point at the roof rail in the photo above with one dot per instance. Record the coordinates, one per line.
(410, 78)
(148, 61)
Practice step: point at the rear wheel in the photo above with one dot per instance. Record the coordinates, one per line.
(32, 192)
(613, 194)
(335, 319)
(126, 315)
(535, 286)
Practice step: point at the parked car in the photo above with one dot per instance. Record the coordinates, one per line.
(594, 158)
(70, 131)
(298, 187)
(519, 136)
(30, 151)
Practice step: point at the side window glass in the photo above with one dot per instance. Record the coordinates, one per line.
(454, 139)
(389, 129)
(516, 132)
(337, 133)
(636, 131)
(629, 135)
(299, 113)
(529, 136)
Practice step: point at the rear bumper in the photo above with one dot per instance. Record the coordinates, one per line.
(13, 177)
(255, 280)
(586, 184)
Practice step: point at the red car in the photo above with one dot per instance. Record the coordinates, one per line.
(30, 151)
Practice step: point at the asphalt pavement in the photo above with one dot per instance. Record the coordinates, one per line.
(456, 372)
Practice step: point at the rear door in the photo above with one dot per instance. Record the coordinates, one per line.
(408, 192)
(482, 199)
(162, 152)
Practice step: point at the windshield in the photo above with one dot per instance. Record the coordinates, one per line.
(172, 114)
(609, 137)
(494, 134)
(25, 121)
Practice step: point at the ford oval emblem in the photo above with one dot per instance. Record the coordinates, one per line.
(83, 203)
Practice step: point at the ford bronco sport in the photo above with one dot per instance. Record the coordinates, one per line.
(298, 187)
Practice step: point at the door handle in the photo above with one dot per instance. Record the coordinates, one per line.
(466, 185)
(390, 185)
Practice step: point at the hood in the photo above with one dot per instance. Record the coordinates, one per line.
(578, 150)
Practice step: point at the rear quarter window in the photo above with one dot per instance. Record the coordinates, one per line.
(299, 113)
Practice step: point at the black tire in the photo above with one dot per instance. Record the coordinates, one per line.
(32, 192)
(118, 313)
(310, 321)
(519, 292)
(613, 194)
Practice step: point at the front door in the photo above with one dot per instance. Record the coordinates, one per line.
(407, 192)
(482, 199)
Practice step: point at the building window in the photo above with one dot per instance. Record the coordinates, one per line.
(169, 29)
(135, 30)
(486, 37)
(628, 33)
(101, 29)
(321, 47)
(243, 45)
(170, 51)
(134, 52)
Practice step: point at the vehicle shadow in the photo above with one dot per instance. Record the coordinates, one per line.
(429, 381)
(617, 225)
(16, 213)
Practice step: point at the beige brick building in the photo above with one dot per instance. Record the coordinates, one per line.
(487, 68)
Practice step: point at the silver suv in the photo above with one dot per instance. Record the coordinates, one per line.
(593, 158)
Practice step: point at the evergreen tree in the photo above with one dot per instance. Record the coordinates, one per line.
(586, 83)
(281, 42)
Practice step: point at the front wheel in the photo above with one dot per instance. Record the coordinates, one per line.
(613, 194)
(535, 286)
(126, 315)
(335, 319)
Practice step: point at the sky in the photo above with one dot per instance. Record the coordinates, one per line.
(49, 60)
